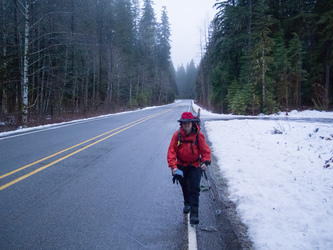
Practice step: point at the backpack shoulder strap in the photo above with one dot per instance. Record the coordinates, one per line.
(197, 138)
(179, 139)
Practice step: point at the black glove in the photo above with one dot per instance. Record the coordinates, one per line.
(177, 176)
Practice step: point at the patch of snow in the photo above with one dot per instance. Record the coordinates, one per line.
(280, 176)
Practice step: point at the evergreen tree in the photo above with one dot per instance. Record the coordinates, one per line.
(181, 81)
(164, 65)
(164, 47)
(294, 52)
(323, 55)
(147, 57)
(281, 66)
(190, 79)
(147, 32)
(261, 59)
(123, 52)
(124, 26)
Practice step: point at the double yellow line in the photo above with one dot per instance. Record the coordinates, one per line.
(107, 135)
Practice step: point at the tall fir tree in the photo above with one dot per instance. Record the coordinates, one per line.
(147, 32)
(261, 60)
(164, 65)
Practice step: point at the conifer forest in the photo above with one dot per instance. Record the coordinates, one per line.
(268, 55)
(66, 59)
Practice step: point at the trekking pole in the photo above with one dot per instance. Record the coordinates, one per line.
(207, 180)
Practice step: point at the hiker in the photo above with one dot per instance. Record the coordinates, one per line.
(189, 155)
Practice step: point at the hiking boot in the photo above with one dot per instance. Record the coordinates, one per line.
(186, 209)
(194, 216)
(194, 220)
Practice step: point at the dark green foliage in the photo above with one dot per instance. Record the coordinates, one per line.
(219, 78)
(278, 51)
(85, 57)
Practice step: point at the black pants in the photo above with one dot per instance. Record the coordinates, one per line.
(191, 185)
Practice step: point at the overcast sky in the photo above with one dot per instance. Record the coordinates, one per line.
(186, 18)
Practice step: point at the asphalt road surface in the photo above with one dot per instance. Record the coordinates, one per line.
(104, 184)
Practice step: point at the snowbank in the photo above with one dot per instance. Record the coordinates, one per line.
(280, 176)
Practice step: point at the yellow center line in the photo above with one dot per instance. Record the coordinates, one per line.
(129, 125)
(62, 151)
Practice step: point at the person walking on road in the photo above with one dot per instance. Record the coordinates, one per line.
(189, 155)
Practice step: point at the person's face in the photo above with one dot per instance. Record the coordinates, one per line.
(187, 126)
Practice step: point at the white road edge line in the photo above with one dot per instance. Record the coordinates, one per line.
(192, 235)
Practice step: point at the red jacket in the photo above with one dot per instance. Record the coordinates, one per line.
(188, 152)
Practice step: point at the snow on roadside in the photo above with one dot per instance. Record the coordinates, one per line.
(279, 183)
(66, 123)
(306, 114)
(280, 176)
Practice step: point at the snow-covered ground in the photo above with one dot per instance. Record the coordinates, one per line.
(280, 176)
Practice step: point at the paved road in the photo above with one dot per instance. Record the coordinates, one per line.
(102, 184)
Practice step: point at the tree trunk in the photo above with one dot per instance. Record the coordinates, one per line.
(94, 85)
(109, 84)
(299, 81)
(41, 98)
(26, 67)
(18, 71)
(263, 76)
(130, 93)
(3, 64)
(299, 77)
(86, 89)
(327, 75)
